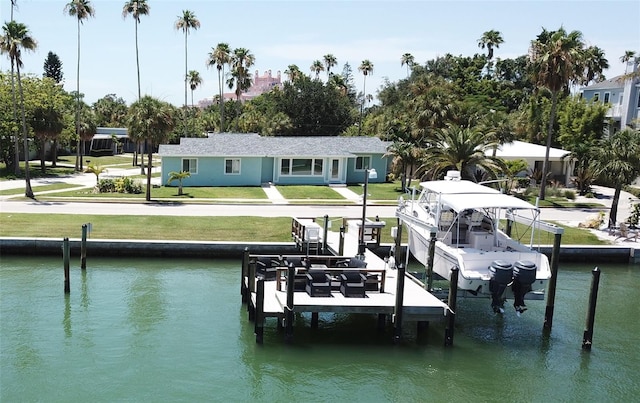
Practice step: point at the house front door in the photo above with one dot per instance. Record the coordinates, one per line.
(335, 170)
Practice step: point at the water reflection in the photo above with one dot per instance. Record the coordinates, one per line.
(66, 322)
(146, 300)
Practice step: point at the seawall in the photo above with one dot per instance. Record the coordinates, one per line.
(202, 249)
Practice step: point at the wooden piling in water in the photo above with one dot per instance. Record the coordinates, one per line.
(259, 315)
(83, 247)
(587, 338)
(244, 273)
(326, 234)
(398, 249)
(551, 291)
(397, 317)
(315, 318)
(453, 296)
(341, 242)
(65, 259)
(288, 310)
(430, 260)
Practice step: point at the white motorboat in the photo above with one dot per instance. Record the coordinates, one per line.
(465, 218)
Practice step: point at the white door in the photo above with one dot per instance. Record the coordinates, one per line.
(335, 170)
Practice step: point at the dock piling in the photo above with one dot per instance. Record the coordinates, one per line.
(259, 315)
(587, 338)
(341, 241)
(551, 295)
(430, 260)
(83, 247)
(288, 310)
(397, 317)
(244, 272)
(325, 235)
(65, 259)
(453, 296)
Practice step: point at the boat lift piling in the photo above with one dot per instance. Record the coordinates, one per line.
(65, 259)
(587, 338)
(430, 260)
(83, 247)
(259, 314)
(397, 315)
(325, 234)
(551, 292)
(453, 295)
(289, 309)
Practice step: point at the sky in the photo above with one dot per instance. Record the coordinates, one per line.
(280, 33)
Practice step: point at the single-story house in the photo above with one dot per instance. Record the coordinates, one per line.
(248, 159)
(110, 141)
(560, 166)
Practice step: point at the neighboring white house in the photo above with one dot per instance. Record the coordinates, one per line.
(623, 97)
(560, 166)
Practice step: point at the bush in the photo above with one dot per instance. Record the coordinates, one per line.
(119, 185)
(570, 194)
(106, 186)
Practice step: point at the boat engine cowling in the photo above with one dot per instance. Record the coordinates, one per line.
(524, 275)
(501, 275)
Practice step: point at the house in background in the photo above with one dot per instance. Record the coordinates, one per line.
(560, 166)
(248, 159)
(110, 141)
(623, 97)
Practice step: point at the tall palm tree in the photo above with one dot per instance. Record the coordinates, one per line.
(81, 10)
(187, 21)
(15, 37)
(219, 57)
(555, 57)
(329, 62)
(317, 67)
(628, 56)
(618, 160)
(594, 63)
(16, 142)
(153, 120)
(489, 40)
(136, 8)
(194, 82)
(293, 72)
(409, 60)
(241, 60)
(366, 67)
(462, 149)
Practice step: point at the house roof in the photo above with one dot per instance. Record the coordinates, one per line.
(254, 145)
(611, 83)
(521, 149)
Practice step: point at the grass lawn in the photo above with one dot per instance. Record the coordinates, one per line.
(309, 192)
(43, 188)
(172, 193)
(379, 191)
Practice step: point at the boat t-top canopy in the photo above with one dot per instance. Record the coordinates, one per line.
(457, 187)
(460, 202)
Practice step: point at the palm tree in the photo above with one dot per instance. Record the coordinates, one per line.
(489, 40)
(81, 10)
(219, 57)
(462, 149)
(329, 62)
(178, 176)
(16, 142)
(186, 22)
(95, 169)
(293, 72)
(594, 63)
(15, 37)
(618, 160)
(366, 67)
(317, 67)
(241, 60)
(153, 120)
(194, 82)
(555, 56)
(407, 59)
(136, 8)
(628, 56)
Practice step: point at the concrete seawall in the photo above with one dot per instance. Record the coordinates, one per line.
(146, 248)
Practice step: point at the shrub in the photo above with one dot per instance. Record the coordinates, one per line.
(119, 185)
(570, 194)
(106, 186)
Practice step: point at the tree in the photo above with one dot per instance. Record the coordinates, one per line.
(151, 120)
(329, 62)
(241, 60)
(293, 72)
(178, 176)
(366, 68)
(555, 56)
(53, 67)
(194, 82)
(629, 55)
(317, 67)
(95, 169)
(618, 161)
(462, 149)
(489, 40)
(81, 10)
(593, 64)
(110, 111)
(219, 57)
(187, 21)
(15, 37)
(408, 60)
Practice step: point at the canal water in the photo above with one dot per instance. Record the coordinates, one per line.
(175, 330)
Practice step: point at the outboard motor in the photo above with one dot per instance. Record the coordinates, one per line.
(501, 275)
(524, 275)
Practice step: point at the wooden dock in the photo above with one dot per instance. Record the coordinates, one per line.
(387, 293)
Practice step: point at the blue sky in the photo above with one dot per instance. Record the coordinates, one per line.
(280, 33)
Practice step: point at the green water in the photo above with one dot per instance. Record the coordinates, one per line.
(175, 330)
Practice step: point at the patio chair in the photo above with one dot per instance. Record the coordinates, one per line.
(627, 234)
(265, 266)
(318, 283)
(352, 284)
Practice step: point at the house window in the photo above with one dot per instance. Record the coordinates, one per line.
(606, 97)
(363, 163)
(301, 166)
(190, 165)
(232, 166)
(596, 96)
